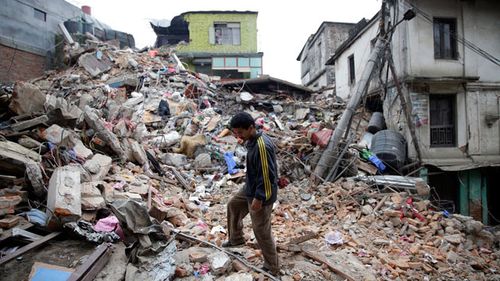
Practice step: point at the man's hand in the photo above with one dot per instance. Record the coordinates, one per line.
(256, 205)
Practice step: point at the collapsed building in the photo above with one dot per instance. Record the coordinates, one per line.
(123, 164)
(216, 43)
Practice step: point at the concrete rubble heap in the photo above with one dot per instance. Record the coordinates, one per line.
(121, 126)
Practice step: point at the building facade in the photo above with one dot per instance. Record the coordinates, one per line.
(318, 48)
(219, 43)
(447, 60)
(27, 36)
(30, 35)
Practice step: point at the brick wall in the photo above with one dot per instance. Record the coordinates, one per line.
(25, 65)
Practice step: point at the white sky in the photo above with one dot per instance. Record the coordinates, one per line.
(283, 26)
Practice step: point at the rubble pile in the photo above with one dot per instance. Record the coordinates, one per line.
(130, 146)
(395, 235)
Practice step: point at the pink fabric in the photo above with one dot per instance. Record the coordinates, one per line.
(109, 224)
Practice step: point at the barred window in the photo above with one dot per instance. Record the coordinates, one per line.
(442, 120)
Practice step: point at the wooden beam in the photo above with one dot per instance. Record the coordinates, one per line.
(93, 265)
(28, 247)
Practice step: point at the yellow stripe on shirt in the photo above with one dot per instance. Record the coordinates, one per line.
(265, 169)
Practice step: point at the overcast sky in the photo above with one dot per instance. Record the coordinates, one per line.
(283, 26)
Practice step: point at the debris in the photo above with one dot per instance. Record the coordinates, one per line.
(334, 238)
(93, 64)
(27, 99)
(98, 166)
(28, 247)
(44, 271)
(93, 265)
(91, 197)
(9, 221)
(64, 195)
(219, 262)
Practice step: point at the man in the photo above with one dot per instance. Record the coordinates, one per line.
(259, 193)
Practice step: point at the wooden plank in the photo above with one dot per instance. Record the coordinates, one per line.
(7, 234)
(28, 247)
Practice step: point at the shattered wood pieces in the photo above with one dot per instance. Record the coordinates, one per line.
(28, 247)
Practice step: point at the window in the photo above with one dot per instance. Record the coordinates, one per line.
(320, 57)
(225, 34)
(39, 14)
(445, 41)
(442, 119)
(352, 74)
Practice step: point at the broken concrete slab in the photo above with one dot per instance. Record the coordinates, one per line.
(56, 134)
(239, 277)
(174, 159)
(123, 80)
(203, 161)
(81, 150)
(138, 153)
(61, 106)
(23, 125)
(219, 262)
(98, 166)
(64, 194)
(19, 160)
(29, 142)
(91, 197)
(9, 146)
(26, 99)
(166, 140)
(96, 123)
(93, 65)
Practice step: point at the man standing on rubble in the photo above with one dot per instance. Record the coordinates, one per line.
(259, 193)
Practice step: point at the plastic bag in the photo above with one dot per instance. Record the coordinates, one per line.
(231, 164)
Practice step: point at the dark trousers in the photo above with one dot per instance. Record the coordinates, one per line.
(237, 209)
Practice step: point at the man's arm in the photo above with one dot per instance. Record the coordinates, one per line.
(263, 190)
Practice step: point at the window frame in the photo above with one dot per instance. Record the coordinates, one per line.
(437, 130)
(225, 29)
(440, 37)
(351, 68)
(37, 14)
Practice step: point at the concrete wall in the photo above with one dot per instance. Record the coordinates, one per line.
(477, 103)
(27, 43)
(477, 22)
(361, 50)
(477, 140)
(199, 25)
(20, 29)
(317, 50)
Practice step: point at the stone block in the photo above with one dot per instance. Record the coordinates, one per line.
(91, 196)
(64, 195)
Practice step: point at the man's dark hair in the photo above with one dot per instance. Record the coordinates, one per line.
(242, 120)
